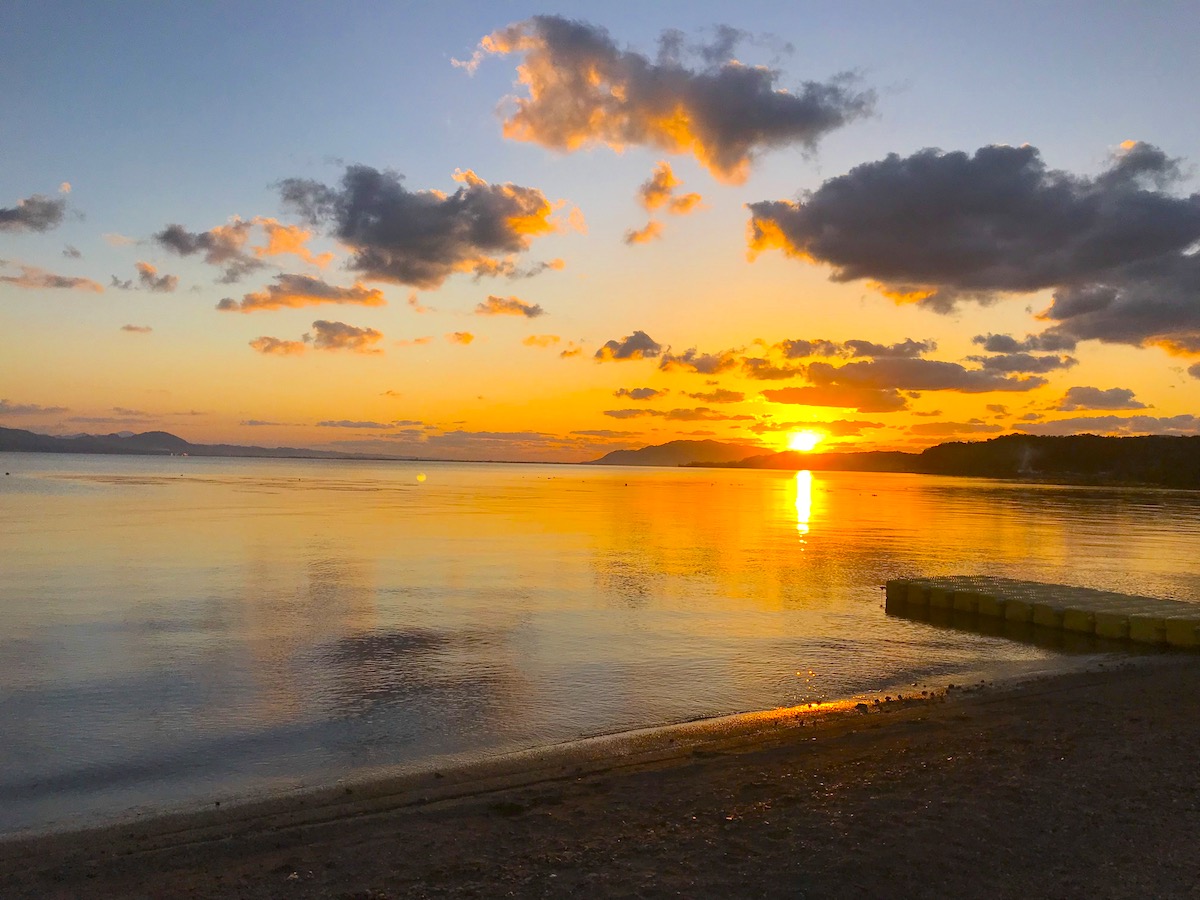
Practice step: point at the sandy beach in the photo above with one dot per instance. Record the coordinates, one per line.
(1076, 785)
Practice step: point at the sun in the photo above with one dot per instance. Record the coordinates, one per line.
(804, 441)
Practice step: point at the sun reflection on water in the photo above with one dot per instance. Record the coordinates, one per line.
(804, 486)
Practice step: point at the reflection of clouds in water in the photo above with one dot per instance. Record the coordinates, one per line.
(418, 686)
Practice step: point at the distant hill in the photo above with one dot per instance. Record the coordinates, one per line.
(1154, 460)
(148, 443)
(679, 453)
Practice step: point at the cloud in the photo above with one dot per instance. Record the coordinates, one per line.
(221, 246)
(541, 340)
(638, 345)
(415, 342)
(1095, 398)
(699, 414)
(1006, 343)
(421, 238)
(659, 191)
(508, 268)
(291, 239)
(118, 240)
(291, 291)
(149, 279)
(460, 337)
(258, 423)
(836, 428)
(720, 395)
(340, 336)
(1118, 425)
(643, 393)
(34, 278)
(864, 399)
(701, 363)
(651, 231)
(919, 375)
(975, 426)
(137, 329)
(573, 349)
(28, 409)
(764, 370)
(508, 306)
(72, 252)
(938, 228)
(275, 347)
(1024, 362)
(417, 306)
(1194, 370)
(65, 187)
(583, 90)
(347, 423)
(36, 213)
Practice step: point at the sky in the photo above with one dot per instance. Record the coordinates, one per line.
(502, 231)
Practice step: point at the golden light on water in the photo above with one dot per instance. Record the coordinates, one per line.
(804, 487)
(804, 441)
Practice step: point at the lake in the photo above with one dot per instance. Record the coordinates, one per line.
(175, 631)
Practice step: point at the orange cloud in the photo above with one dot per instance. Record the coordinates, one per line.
(291, 239)
(582, 90)
(651, 231)
(460, 337)
(292, 291)
(34, 278)
(508, 306)
(657, 190)
(541, 340)
(276, 347)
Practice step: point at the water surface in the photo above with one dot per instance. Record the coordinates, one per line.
(179, 630)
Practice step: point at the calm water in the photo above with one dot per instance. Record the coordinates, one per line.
(174, 631)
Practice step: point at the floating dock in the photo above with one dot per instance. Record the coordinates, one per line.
(1104, 614)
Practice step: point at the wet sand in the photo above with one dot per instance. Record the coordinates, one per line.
(1077, 785)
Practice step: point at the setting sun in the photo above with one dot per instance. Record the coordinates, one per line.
(804, 441)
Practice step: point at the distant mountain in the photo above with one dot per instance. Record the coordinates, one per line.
(148, 443)
(1153, 460)
(679, 453)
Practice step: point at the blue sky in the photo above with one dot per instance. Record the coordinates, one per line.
(192, 114)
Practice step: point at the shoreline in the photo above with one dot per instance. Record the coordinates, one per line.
(603, 791)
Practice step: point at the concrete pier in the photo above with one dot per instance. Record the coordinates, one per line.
(1104, 614)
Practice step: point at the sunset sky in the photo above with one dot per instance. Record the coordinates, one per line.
(497, 231)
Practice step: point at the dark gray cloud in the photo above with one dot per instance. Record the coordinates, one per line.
(584, 90)
(802, 349)
(71, 252)
(28, 409)
(1194, 370)
(692, 360)
(223, 246)
(937, 228)
(1118, 425)
(764, 370)
(1024, 362)
(340, 336)
(150, 280)
(1094, 398)
(699, 414)
(638, 345)
(720, 395)
(918, 375)
(347, 423)
(36, 213)
(1006, 343)
(643, 393)
(421, 238)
